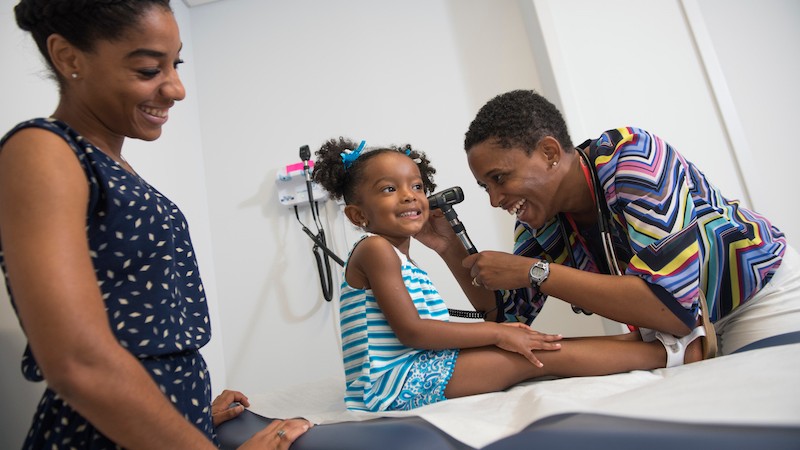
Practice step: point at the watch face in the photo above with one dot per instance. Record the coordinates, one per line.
(537, 272)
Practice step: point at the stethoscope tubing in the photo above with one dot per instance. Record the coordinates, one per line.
(603, 221)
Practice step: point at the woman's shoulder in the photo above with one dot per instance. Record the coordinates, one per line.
(37, 137)
(614, 138)
(46, 156)
(630, 144)
(43, 126)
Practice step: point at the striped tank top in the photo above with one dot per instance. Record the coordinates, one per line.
(376, 363)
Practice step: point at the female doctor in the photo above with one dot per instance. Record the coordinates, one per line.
(623, 226)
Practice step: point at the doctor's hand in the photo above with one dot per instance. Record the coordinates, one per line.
(278, 435)
(498, 270)
(520, 338)
(437, 234)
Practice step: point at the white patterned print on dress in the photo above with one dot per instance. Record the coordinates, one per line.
(149, 280)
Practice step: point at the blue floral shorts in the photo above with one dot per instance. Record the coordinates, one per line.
(426, 380)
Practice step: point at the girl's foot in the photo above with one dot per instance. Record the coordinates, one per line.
(681, 350)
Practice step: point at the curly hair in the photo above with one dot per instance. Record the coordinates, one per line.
(81, 22)
(330, 173)
(518, 118)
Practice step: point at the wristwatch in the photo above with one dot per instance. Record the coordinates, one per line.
(538, 273)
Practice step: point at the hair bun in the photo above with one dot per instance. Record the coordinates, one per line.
(28, 14)
(31, 13)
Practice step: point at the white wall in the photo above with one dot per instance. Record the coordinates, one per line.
(618, 73)
(757, 45)
(277, 75)
(720, 89)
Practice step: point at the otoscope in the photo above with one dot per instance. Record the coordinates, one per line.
(445, 200)
(305, 155)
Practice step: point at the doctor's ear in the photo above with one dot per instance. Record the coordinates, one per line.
(550, 149)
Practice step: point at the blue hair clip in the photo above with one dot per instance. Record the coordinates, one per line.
(416, 160)
(350, 156)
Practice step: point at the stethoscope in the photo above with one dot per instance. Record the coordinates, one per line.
(603, 221)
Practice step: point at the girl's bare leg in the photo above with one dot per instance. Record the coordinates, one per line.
(490, 369)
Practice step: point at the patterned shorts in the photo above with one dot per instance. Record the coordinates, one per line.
(426, 380)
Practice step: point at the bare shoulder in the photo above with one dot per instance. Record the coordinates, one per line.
(39, 158)
(41, 177)
(372, 257)
(375, 250)
(374, 244)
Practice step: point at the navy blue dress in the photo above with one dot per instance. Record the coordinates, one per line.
(148, 275)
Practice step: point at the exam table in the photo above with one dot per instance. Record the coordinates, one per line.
(590, 427)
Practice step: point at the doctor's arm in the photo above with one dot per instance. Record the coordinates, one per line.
(440, 237)
(626, 299)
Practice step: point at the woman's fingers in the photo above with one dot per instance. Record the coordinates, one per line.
(278, 435)
(227, 414)
(228, 405)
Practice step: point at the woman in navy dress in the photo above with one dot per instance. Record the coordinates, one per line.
(98, 263)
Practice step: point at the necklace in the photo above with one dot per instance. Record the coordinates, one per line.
(588, 178)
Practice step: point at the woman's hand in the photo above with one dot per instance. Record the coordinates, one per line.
(498, 270)
(437, 234)
(221, 409)
(520, 338)
(278, 435)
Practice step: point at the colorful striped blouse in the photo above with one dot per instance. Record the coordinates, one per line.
(376, 363)
(670, 226)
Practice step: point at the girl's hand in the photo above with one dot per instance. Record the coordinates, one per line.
(520, 338)
(221, 409)
(278, 435)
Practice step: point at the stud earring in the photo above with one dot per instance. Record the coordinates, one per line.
(74, 75)
(555, 163)
(363, 224)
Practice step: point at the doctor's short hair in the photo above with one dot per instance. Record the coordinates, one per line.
(518, 119)
(81, 22)
(329, 170)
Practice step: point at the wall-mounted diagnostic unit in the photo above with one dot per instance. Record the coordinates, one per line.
(292, 188)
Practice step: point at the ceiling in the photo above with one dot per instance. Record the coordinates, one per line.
(191, 3)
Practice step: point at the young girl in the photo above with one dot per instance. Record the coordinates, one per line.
(400, 351)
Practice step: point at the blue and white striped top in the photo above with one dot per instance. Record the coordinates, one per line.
(375, 362)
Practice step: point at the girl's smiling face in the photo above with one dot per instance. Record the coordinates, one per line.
(391, 198)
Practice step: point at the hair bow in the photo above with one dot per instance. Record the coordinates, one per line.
(416, 160)
(350, 156)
